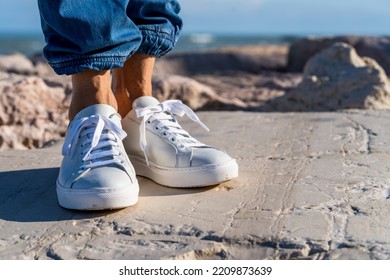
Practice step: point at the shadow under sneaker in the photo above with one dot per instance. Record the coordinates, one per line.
(160, 149)
(95, 172)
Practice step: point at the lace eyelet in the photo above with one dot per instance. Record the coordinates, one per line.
(172, 139)
(181, 146)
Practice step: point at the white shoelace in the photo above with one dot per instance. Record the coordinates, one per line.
(165, 113)
(98, 150)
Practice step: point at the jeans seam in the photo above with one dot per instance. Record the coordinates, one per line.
(81, 60)
(156, 32)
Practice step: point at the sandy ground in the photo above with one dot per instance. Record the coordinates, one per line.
(311, 186)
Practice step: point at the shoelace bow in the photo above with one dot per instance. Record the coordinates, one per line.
(99, 149)
(166, 113)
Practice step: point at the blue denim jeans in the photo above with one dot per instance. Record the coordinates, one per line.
(103, 34)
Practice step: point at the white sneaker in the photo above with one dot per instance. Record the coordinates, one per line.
(160, 149)
(95, 172)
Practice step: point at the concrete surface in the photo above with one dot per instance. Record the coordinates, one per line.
(311, 186)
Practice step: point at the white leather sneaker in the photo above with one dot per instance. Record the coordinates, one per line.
(160, 149)
(95, 172)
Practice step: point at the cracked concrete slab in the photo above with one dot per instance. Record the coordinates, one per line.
(311, 186)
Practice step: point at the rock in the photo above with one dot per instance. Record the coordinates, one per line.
(377, 48)
(16, 63)
(47, 73)
(192, 93)
(311, 186)
(250, 59)
(337, 78)
(31, 113)
(253, 91)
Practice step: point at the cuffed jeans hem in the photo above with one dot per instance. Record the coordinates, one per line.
(156, 42)
(75, 66)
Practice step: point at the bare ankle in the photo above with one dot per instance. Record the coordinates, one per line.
(90, 88)
(132, 81)
(123, 101)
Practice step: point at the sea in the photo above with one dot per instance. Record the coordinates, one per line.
(31, 44)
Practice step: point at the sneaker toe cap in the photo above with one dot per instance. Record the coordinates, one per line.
(207, 156)
(103, 178)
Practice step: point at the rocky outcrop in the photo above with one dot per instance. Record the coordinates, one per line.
(31, 112)
(337, 78)
(254, 92)
(34, 100)
(377, 48)
(17, 63)
(311, 186)
(248, 59)
(44, 70)
(196, 95)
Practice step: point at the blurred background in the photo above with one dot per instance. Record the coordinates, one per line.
(216, 23)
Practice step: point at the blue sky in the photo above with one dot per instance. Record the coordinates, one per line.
(323, 17)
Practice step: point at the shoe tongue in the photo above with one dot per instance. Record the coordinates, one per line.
(100, 109)
(145, 101)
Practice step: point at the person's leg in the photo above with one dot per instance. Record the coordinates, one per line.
(83, 39)
(160, 25)
(91, 87)
(133, 80)
(86, 39)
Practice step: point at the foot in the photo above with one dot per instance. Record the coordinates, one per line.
(95, 172)
(163, 151)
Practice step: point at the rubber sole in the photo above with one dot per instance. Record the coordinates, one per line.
(97, 200)
(207, 175)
